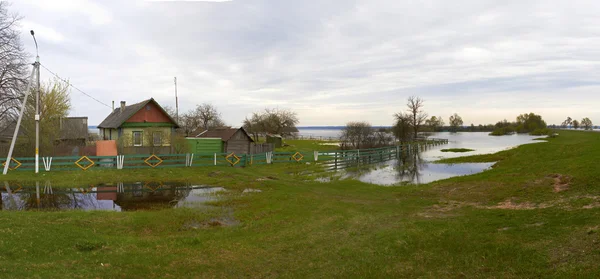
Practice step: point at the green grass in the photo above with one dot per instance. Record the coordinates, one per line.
(299, 228)
(457, 150)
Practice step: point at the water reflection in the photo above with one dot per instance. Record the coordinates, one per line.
(412, 168)
(113, 197)
(415, 166)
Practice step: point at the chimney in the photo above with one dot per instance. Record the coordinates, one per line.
(122, 106)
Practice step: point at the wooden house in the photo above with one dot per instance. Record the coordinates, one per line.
(144, 127)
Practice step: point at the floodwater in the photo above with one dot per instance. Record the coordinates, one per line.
(417, 167)
(111, 197)
(481, 142)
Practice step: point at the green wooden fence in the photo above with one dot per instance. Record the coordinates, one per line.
(329, 159)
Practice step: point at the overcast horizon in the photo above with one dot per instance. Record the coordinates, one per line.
(330, 61)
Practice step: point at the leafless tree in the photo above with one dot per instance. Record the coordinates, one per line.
(417, 115)
(357, 135)
(13, 65)
(208, 116)
(272, 121)
(402, 128)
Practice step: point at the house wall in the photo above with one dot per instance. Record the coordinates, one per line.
(151, 113)
(239, 143)
(109, 134)
(127, 135)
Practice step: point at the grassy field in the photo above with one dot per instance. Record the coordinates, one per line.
(535, 214)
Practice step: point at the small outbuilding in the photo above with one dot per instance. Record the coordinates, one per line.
(234, 140)
(275, 140)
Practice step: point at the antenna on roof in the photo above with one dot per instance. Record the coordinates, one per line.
(176, 103)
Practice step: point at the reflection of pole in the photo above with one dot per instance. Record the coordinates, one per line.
(37, 193)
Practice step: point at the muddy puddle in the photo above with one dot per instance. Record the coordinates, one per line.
(111, 197)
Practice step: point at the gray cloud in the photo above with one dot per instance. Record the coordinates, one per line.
(332, 62)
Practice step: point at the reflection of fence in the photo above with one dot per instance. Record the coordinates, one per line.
(329, 159)
(340, 159)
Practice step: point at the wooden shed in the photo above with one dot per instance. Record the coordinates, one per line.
(235, 140)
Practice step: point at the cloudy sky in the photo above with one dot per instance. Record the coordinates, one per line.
(330, 61)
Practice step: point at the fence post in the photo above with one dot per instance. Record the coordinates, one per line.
(336, 159)
(47, 163)
(316, 155)
(120, 161)
(215, 159)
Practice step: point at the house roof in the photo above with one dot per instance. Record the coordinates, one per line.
(117, 118)
(74, 128)
(224, 133)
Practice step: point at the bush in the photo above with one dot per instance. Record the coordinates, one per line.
(541, 132)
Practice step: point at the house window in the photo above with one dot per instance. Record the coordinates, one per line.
(157, 138)
(137, 138)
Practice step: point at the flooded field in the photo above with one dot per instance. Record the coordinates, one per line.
(418, 167)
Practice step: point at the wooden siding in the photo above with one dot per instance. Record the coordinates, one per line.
(239, 143)
(109, 134)
(152, 115)
(205, 145)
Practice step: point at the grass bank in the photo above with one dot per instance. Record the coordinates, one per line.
(459, 150)
(513, 221)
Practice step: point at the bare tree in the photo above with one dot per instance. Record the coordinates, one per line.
(575, 124)
(208, 116)
(13, 65)
(567, 122)
(587, 123)
(417, 115)
(357, 135)
(402, 128)
(271, 121)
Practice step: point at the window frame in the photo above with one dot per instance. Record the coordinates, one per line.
(141, 138)
(160, 134)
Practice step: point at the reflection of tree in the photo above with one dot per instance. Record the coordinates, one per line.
(409, 167)
(46, 201)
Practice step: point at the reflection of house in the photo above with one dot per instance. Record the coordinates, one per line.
(145, 124)
(140, 197)
(234, 140)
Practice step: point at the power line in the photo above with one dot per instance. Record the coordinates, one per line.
(71, 85)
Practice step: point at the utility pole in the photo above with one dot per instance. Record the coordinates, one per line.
(37, 107)
(176, 103)
(18, 125)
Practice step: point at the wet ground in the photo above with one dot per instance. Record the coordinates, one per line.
(112, 197)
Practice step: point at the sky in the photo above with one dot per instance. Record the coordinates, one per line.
(329, 61)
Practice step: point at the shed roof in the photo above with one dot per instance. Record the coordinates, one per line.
(74, 128)
(224, 133)
(117, 118)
